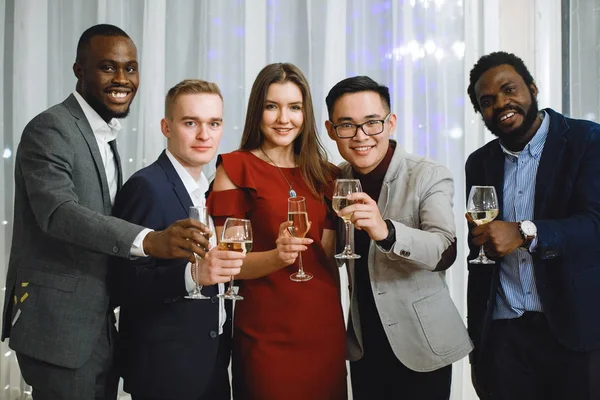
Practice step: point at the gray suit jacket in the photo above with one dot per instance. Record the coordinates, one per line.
(56, 299)
(420, 320)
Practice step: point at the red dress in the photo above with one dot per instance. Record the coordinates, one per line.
(289, 337)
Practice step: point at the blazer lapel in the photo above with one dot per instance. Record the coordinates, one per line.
(74, 108)
(174, 179)
(550, 160)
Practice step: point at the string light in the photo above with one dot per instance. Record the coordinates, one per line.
(458, 48)
(455, 133)
(7, 153)
(417, 51)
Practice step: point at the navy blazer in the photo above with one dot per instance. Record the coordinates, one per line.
(167, 345)
(567, 215)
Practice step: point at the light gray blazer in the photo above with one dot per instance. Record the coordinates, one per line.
(63, 234)
(420, 320)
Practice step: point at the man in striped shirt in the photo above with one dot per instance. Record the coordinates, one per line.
(533, 315)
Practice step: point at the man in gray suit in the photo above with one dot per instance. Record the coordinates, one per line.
(57, 311)
(404, 331)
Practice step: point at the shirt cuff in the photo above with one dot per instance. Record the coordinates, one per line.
(533, 246)
(190, 285)
(137, 248)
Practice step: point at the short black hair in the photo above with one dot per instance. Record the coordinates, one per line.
(354, 85)
(96, 30)
(493, 60)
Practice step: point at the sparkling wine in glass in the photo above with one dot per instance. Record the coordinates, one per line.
(482, 207)
(236, 236)
(344, 187)
(299, 217)
(199, 213)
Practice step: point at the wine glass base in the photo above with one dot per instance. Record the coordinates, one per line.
(301, 277)
(230, 296)
(349, 256)
(482, 260)
(198, 296)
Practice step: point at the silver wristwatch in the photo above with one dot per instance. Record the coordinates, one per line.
(529, 232)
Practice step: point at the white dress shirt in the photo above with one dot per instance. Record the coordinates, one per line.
(197, 191)
(104, 133)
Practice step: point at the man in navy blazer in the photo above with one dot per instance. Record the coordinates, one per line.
(171, 347)
(534, 316)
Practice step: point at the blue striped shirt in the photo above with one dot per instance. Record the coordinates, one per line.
(517, 291)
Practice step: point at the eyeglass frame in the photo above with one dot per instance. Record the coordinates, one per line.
(360, 126)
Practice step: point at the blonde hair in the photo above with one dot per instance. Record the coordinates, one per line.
(189, 86)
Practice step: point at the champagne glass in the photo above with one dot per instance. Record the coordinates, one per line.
(236, 236)
(199, 213)
(482, 207)
(344, 187)
(299, 217)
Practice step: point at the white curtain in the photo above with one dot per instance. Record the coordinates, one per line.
(584, 59)
(416, 47)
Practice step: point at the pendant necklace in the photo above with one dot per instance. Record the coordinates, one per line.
(292, 192)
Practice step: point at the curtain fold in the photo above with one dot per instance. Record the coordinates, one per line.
(415, 47)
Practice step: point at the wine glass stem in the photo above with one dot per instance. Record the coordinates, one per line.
(197, 286)
(300, 269)
(230, 289)
(481, 253)
(348, 249)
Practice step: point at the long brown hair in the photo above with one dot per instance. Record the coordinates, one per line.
(308, 149)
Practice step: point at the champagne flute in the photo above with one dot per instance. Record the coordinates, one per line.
(199, 213)
(482, 207)
(299, 217)
(344, 187)
(236, 236)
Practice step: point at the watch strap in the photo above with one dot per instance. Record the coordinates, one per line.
(389, 241)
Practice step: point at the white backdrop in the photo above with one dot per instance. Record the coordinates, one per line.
(421, 49)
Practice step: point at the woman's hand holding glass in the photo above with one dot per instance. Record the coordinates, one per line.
(289, 247)
(298, 216)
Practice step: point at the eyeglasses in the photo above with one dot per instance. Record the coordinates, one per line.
(347, 130)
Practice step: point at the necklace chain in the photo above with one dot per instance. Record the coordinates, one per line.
(292, 192)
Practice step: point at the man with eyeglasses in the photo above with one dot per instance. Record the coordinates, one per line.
(404, 331)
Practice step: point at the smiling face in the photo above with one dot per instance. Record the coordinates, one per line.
(107, 75)
(362, 151)
(193, 129)
(508, 106)
(283, 115)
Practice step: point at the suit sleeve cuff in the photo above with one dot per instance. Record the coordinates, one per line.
(137, 248)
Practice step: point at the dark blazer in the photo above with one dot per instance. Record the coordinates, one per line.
(167, 344)
(567, 216)
(56, 292)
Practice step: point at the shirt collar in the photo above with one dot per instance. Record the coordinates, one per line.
(197, 188)
(101, 129)
(536, 144)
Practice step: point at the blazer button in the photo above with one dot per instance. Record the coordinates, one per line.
(213, 334)
(115, 249)
(214, 299)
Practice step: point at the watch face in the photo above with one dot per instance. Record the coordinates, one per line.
(528, 228)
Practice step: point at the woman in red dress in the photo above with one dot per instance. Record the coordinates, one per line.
(289, 337)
